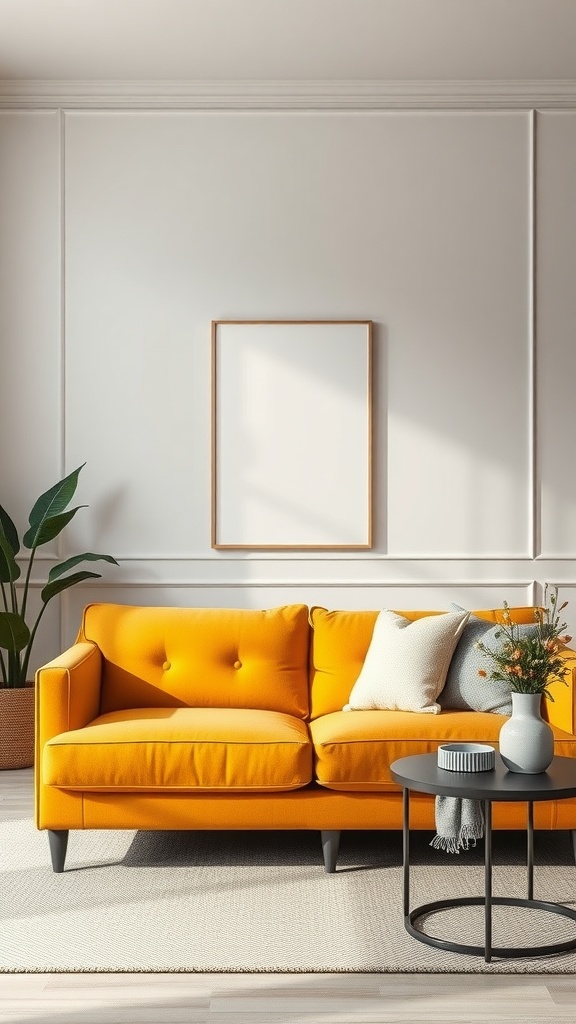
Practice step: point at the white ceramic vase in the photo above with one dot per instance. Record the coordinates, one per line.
(526, 740)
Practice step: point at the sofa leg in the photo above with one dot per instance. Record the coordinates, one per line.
(330, 844)
(573, 834)
(58, 840)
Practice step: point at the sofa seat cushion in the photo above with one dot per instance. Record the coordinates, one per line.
(353, 750)
(199, 749)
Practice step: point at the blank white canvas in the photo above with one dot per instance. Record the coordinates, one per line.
(292, 435)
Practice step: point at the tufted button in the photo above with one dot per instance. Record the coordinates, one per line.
(166, 666)
(237, 664)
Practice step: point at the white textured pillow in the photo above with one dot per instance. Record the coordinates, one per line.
(407, 662)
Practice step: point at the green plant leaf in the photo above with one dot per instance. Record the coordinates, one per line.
(52, 502)
(57, 586)
(14, 633)
(9, 568)
(9, 531)
(49, 528)
(88, 556)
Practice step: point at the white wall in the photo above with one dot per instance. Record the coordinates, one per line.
(124, 233)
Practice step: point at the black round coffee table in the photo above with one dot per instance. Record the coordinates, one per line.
(422, 774)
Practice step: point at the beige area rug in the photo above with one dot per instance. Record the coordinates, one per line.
(261, 902)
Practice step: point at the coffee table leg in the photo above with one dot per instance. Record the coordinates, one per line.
(530, 849)
(406, 850)
(487, 881)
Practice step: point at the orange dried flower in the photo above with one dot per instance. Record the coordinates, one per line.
(530, 662)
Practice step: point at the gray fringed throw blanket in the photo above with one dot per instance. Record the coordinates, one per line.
(459, 823)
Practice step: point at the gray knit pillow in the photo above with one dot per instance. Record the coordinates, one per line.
(465, 689)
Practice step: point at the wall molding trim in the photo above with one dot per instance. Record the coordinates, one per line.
(493, 94)
(275, 584)
(361, 560)
(534, 483)
(551, 556)
(298, 556)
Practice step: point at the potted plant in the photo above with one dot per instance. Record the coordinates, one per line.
(18, 627)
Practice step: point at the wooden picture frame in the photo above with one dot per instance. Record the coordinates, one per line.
(292, 435)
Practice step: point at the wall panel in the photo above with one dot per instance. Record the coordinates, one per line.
(30, 306)
(556, 331)
(419, 222)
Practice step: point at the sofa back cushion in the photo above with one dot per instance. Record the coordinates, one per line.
(340, 641)
(201, 657)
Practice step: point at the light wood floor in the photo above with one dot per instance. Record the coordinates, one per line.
(267, 998)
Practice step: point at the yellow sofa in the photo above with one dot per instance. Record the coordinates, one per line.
(208, 718)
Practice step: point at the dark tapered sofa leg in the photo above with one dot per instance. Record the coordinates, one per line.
(58, 844)
(330, 844)
(573, 834)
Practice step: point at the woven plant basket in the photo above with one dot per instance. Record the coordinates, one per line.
(17, 727)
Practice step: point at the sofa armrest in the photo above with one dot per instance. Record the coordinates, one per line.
(67, 697)
(561, 712)
(67, 692)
